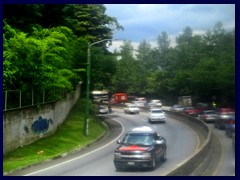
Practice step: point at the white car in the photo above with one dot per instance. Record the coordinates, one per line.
(103, 110)
(155, 103)
(156, 115)
(131, 109)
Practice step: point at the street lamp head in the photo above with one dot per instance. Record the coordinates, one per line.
(103, 40)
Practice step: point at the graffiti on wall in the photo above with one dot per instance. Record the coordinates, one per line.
(41, 125)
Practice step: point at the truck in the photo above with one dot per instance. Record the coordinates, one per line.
(100, 95)
(119, 98)
(185, 100)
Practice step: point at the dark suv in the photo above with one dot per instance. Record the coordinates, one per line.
(141, 147)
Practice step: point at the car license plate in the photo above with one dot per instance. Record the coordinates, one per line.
(130, 163)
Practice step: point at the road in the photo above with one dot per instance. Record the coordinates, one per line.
(97, 159)
(227, 164)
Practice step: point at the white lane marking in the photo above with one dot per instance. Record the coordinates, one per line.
(81, 155)
(220, 164)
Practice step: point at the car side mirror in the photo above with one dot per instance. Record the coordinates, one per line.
(158, 142)
(119, 142)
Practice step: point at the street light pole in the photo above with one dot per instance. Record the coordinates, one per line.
(87, 89)
(88, 84)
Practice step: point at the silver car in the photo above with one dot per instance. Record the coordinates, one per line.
(156, 115)
(103, 110)
(177, 108)
(208, 115)
(131, 109)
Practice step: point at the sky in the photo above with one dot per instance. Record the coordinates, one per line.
(147, 21)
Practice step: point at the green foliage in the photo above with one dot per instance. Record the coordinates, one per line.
(103, 68)
(128, 75)
(91, 20)
(199, 65)
(41, 59)
(47, 45)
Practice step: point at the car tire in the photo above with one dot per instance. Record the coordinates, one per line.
(153, 163)
(216, 125)
(228, 134)
(164, 156)
(118, 168)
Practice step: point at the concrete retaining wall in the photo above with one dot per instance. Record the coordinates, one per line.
(199, 157)
(26, 125)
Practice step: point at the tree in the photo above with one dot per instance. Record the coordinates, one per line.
(162, 50)
(41, 59)
(128, 77)
(22, 16)
(145, 56)
(59, 51)
(91, 21)
(103, 68)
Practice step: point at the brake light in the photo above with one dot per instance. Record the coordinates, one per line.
(231, 122)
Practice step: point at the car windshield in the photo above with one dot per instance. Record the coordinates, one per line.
(178, 106)
(190, 108)
(138, 139)
(210, 112)
(157, 111)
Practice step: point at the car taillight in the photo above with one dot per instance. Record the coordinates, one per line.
(231, 122)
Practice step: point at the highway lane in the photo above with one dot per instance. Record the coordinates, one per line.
(226, 166)
(227, 163)
(97, 159)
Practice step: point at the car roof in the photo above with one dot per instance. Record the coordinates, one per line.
(209, 110)
(134, 105)
(225, 110)
(155, 100)
(102, 106)
(155, 109)
(179, 105)
(142, 129)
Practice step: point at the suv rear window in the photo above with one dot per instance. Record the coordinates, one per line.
(157, 111)
(138, 139)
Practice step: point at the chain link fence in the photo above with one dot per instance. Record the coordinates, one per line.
(14, 99)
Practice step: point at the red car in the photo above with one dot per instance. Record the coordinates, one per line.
(224, 115)
(192, 111)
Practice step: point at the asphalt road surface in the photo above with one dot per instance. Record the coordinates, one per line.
(97, 159)
(227, 163)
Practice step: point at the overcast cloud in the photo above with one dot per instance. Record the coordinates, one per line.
(147, 21)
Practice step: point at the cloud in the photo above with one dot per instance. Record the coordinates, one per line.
(147, 21)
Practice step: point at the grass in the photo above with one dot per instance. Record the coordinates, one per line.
(68, 137)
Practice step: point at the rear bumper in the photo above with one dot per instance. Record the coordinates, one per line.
(209, 119)
(157, 119)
